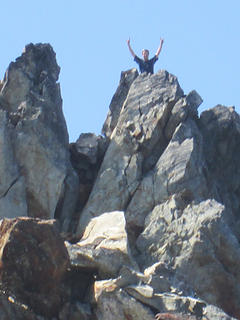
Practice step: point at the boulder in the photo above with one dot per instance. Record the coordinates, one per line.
(31, 97)
(33, 263)
(104, 246)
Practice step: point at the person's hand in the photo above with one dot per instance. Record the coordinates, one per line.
(128, 41)
(161, 40)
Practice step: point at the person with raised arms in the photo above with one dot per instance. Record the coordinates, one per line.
(145, 64)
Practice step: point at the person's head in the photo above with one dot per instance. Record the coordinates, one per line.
(145, 54)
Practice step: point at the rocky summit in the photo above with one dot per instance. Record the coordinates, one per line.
(139, 223)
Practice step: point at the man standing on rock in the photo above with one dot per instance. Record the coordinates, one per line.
(145, 65)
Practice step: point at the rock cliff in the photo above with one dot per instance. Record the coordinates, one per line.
(139, 223)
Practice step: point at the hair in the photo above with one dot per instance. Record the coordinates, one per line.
(145, 50)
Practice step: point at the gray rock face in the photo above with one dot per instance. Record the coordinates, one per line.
(126, 80)
(138, 302)
(86, 156)
(198, 244)
(175, 176)
(180, 168)
(138, 135)
(220, 127)
(37, 137)
(12, 192)
(158, 198)
(89, 146)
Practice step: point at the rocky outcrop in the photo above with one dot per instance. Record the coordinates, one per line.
(41, 182)
(126, 80)
(221, 133)
(136, 142)
(139, 302)
(198, 246)
(149, 211)
(12, 184)
(163, 169)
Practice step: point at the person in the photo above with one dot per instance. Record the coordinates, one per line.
(145, 65)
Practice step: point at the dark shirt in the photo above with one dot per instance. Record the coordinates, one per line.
(146, 66)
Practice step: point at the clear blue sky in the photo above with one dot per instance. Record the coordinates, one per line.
(201, 47)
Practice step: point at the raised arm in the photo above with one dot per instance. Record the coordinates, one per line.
(160, 47)
(130, 49)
